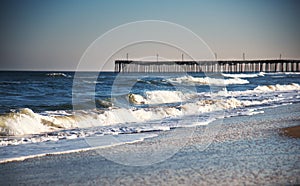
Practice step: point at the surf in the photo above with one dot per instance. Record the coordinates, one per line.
(26, 121)
(208, 80)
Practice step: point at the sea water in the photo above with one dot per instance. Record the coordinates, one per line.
(56, 112)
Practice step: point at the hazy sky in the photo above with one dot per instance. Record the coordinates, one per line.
(52, 35)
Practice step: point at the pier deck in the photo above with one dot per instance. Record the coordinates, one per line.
(208, 66)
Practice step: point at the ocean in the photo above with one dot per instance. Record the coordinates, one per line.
(60, 112)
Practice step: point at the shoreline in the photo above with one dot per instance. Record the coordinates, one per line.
(247, 150)
(292, 132)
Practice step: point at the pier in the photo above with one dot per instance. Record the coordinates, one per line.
(277, 65)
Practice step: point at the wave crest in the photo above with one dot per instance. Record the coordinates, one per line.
(268, 88)
(59, 74)
(159, 97)
(243, 75)
(208, 80)
(25, 121)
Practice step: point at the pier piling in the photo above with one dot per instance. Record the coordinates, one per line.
(277, 65)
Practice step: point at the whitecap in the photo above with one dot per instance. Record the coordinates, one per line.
(58, 74)
(243, 75)
(207, 80)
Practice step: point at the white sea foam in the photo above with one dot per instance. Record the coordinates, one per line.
(291, 73)
(268, 88)
(27, 122)
(159, 97)
(58, 74)
(208, 80)
(262, 89)
(279, 73)
(243, 75)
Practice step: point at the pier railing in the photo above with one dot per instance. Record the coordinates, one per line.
(208, 66)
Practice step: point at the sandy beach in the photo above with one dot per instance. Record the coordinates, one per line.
(293, 132)
(248, 150)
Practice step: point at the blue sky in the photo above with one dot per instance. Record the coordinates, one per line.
(52, 35)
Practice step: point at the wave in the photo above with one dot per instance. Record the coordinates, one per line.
(208, 80)
(159, 97)
(291, 73)
(26, 122)
(280, 73)
(243, 75)
(10, 82)
(274, 90)
(268, 88)
(59, 74)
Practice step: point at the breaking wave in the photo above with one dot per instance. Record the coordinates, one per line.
(25, 121)
(159, 97)
(208, 80)
(59, 74)
(268, 88)
(243, 75)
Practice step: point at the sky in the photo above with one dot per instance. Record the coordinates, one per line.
(54, 34)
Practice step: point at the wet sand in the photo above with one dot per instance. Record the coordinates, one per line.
(293, 132)
(247, 150)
